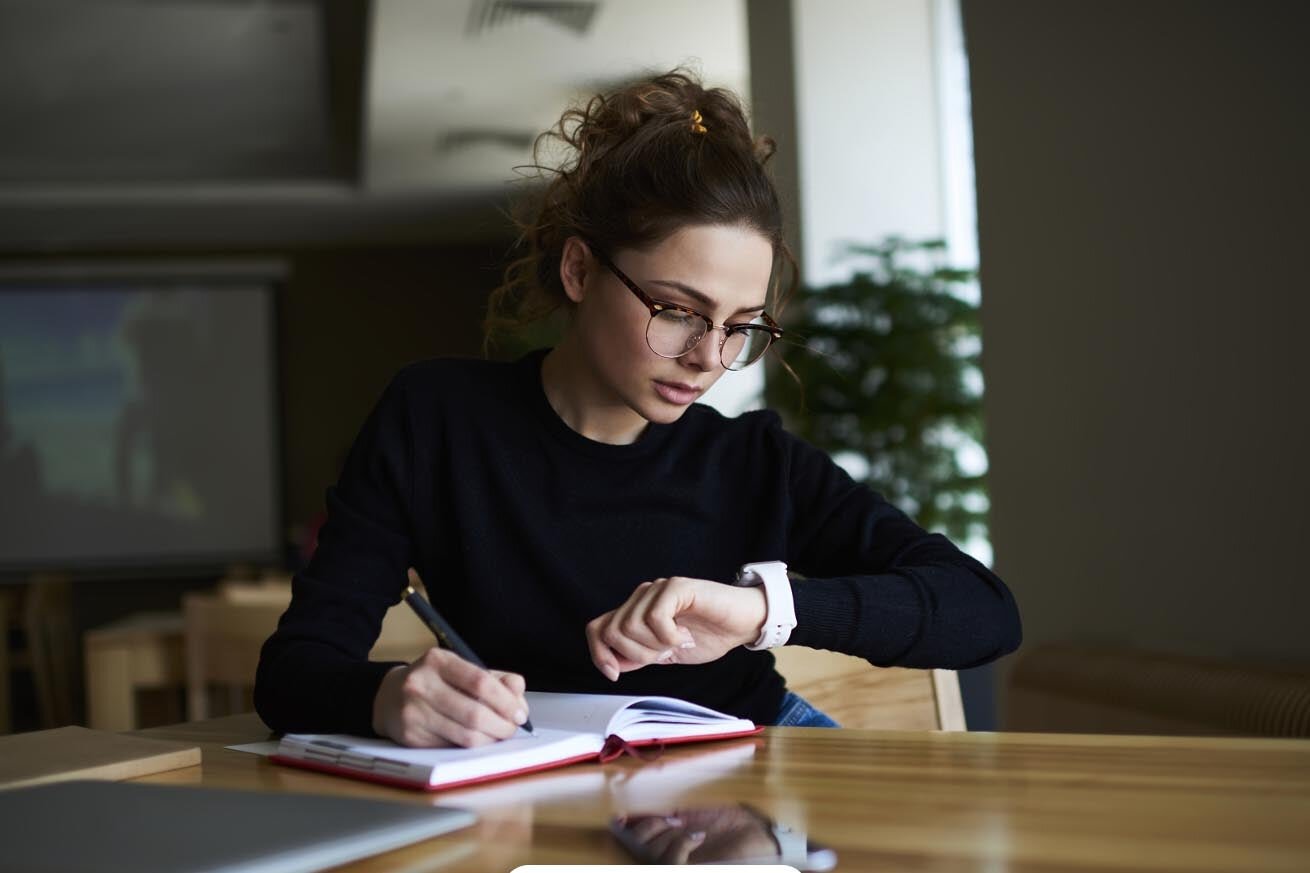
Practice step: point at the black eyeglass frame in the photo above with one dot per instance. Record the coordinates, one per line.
(769, 328)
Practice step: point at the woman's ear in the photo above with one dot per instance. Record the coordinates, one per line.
(574, 265)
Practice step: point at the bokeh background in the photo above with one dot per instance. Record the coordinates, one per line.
(225, 224)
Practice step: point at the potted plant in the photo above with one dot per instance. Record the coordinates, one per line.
(884, 376)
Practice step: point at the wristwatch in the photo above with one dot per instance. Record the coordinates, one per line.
(793, 846)
(781, 617)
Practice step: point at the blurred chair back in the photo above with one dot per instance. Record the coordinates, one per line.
(858, 695)
(36, 636)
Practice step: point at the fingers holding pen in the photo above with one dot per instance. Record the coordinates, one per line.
(441, 699)
(494, 693)
(457, 686)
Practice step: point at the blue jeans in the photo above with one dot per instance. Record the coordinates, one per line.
(797, 712)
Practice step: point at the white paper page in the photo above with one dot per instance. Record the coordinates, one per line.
(590, 713)
(263, 747)
(606, 714)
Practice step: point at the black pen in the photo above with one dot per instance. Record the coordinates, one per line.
(445, 634)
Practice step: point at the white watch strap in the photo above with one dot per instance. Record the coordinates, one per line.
(793, 846)
(781, 616)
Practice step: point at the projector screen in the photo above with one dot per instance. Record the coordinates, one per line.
(137, 424)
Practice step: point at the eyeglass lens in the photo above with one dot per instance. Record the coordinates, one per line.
(673, 333)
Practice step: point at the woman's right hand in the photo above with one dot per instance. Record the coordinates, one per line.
(443, 700)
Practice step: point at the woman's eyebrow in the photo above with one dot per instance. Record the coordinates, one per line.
(701, 297)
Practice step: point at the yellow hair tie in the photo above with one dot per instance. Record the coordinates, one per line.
(696, 126)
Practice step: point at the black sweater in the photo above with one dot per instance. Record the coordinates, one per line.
(523, 531)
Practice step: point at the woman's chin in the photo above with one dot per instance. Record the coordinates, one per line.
(660, 411)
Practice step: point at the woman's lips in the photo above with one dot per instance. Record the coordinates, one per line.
(676, 393)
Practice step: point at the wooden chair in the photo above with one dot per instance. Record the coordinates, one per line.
(135, 658)
(41, 614)
(858, 695)
(225, 630)
(8, 603)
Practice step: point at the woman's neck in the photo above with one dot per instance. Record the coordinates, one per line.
(582, 402)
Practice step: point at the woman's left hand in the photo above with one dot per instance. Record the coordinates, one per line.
(675, 620)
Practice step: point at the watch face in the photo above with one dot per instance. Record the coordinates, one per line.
(747, 578)
(751, 575)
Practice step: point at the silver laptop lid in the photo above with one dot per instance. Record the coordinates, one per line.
(106, 827)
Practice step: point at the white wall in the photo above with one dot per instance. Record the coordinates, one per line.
(867, 115)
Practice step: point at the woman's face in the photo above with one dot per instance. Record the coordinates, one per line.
(720, 271)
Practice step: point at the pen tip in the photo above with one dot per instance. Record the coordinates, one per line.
(409, 589)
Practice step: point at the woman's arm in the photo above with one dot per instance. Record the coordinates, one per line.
(877, 585)
(314, 674)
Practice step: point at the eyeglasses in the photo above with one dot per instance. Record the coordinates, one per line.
(675, 330)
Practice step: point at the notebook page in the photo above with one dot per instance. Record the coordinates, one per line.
(662, 730)
(655, 711)
(587, 713)
(631, 717)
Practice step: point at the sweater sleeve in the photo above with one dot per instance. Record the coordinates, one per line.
(880, 587)
(314, 674)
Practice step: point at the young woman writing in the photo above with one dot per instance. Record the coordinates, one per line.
(580, 519)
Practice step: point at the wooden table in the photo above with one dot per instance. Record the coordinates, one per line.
(885, 801)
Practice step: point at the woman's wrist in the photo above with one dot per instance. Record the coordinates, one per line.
(756, 611)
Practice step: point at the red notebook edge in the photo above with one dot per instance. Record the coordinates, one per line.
(336, 770)
(395, 782)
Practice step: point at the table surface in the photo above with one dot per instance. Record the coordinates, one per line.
(884, 801)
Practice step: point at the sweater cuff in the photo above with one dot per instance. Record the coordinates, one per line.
(877, 618)
(825, 610)
(307, 696)
(355, 685)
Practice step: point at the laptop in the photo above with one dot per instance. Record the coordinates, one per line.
(107, 827)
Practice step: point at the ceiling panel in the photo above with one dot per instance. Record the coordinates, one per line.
(120, 92)
(457, 89)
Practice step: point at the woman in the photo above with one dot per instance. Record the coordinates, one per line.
(576, 515)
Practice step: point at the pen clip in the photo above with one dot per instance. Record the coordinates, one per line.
(413, 597)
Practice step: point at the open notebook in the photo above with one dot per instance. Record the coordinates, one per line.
(569, 728)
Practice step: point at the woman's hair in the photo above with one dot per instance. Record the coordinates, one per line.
(640, 163)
